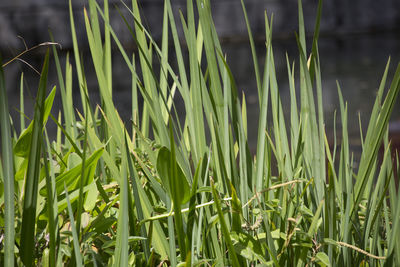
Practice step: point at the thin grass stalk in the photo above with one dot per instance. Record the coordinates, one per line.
(66, 93)
(203, 7)
(122, 246)
(345, 177)
(254, 54)
(78, 65)
(8, 173)
(138, 203)
(52, 203)
(258, 181)
(107, 48)
(280, 133)
(143, 56)
(184, 81)
(294, 117)
(164, 62)
(77, 253)
(82, 181)
(225, 230)
(135, 106)
(21, 103)
(195, 45)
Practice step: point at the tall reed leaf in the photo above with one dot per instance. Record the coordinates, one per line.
(7, 157)
(27, 244)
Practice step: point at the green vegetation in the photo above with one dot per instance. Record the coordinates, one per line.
(166, 191)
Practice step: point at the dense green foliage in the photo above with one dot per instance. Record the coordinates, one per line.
(172, 189)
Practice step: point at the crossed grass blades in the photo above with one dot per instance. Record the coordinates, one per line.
(172, 189)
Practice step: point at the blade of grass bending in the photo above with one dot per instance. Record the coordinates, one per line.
(77, 252)
(8, 173)
(27, 247)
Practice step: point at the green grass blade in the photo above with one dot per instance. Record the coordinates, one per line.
(373, 140)
(77, 252)
(52, 205)
(21, 103)
(82, 180)
(253, 53)
(8, 173)
(224, 227)
(32, 176)
(78, 65)
(138, 202)
(122, 247)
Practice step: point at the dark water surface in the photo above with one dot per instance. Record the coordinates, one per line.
(357, 62)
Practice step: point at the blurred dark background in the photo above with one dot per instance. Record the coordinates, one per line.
(31, 18)
(357, 38)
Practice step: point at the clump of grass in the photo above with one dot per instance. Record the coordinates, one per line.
(191, 193)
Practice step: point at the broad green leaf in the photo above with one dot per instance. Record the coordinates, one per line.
(322, 259)
(248, 247)
(24, 141)
(91, 197)
(163, 167)
(70, 178)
